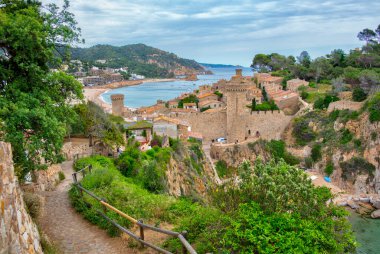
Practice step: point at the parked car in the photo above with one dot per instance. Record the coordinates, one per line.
(221, 140)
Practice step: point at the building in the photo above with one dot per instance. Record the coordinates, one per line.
(173, 104)
(294, 84)
(171, 127)
(190, 105)
(113, 77)
(211, 104)
(141, 130)
(207, 96)
(205, 89)
(94, 80)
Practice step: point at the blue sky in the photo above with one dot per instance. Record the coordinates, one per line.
(229, 32)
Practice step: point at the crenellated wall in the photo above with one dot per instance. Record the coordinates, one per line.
(18, 233)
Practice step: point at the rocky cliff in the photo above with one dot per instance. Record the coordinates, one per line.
(19, 234)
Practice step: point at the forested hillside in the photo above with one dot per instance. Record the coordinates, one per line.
(139, 58)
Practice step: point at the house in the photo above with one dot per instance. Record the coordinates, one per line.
(294, 84)
(171, 127)
(207, 96)
(204, 89)
(211, 104)
(141, 130)
(173, 104)
(190, 105)
(287, 101)
(94, 80)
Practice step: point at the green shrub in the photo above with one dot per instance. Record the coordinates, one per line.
(358, 94)
(357, 143)
(346, 136)
(374, 108)
(324, 102)
(308, 162)
(329, 169)
(205, 108)
(356, 166)
(61, 176)
(221, 168)
(32, 204)
(334, 114)
(304, 95)
(302, 132)
(278, 151)
(374, 136)
(316, 152)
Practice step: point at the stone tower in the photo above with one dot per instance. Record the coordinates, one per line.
(236, 106)
(117, 104)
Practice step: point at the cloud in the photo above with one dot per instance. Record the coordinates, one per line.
(226, 31)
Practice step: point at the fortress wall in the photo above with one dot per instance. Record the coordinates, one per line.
(341, 105)
(269, 124)
(210, 125)
(18, 233)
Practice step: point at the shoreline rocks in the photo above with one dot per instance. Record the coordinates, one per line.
(364, 204)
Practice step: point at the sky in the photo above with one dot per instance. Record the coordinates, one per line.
(227, 31)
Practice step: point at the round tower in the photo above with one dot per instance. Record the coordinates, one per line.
(117, 104)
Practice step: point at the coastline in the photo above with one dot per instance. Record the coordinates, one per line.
(94, 93)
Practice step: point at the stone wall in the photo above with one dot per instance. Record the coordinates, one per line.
(340, 105)
(212, 125)
(69, 150)
(18, 233)
(46, 180)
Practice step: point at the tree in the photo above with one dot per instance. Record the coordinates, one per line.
(304, 59)
(34, 102)
(275, 208)
(367, 35)
(358, 94)
(320, 68)
(260, 63)
(253, 105)
(369, 80)
(337, 58)
(264, 93)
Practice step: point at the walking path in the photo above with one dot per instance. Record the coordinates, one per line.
(69, 230)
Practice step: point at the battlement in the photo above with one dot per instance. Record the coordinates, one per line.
(117, 97)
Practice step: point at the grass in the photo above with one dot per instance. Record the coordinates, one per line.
(318, 92)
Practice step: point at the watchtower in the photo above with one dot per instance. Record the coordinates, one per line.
(117, 104)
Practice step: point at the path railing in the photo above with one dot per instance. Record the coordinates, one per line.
(186, 247)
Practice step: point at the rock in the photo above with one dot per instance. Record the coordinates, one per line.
(376, 214)
(366, 199)
(352, 204)
(376, 203)
(365, 209)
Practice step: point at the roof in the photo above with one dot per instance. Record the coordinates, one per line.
(138, 125)
(173, 102)
(170, 120)
(271, 79)
(206, 95)
(202, 103)
(190, 104)
(297, 81)
(196, 135)
(213, 110)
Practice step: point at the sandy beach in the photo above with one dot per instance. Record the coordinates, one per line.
(94, 93)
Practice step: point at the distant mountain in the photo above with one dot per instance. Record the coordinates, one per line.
(207, 65)
(139, 58)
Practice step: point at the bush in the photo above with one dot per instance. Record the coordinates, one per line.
(304, 95)
(32, 204)
(358, 94)
(308, 162)
(61, 176)
(278, 151)
(221, 168)
(346, 136)
(316, 152)
(329, 169)
(302, 132)
(356, 166)
(323, 103)
(374, 108)
(374, 136)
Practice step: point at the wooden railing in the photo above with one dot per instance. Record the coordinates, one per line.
(186, 247)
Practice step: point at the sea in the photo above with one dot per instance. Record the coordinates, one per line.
(367, 231)
(148, 93)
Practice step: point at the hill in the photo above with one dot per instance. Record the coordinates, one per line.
(139, 58)
(208, 65)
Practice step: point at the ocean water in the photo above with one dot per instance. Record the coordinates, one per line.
(367, 233)
(148, 93)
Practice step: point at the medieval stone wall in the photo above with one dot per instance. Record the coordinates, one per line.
(210, 125)
(18, 233)
(341, 105)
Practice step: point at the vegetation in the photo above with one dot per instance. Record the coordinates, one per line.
(190, 99)
(264, 106)
(34, 107)
(374, 108)
(358, 68)
(252, 215)
(356, 166)
(278, 151)
(91, 120)
(32, 204)
(136, 57)
(61, 176)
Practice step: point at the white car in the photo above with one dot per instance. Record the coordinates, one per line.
(221, 140)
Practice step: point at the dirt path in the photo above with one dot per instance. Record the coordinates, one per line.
(69, 230)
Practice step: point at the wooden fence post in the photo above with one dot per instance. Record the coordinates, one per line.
(184, 250)
(90, 168)
(81, 191)
(141, 233)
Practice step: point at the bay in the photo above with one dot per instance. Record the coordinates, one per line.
(148, 93)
